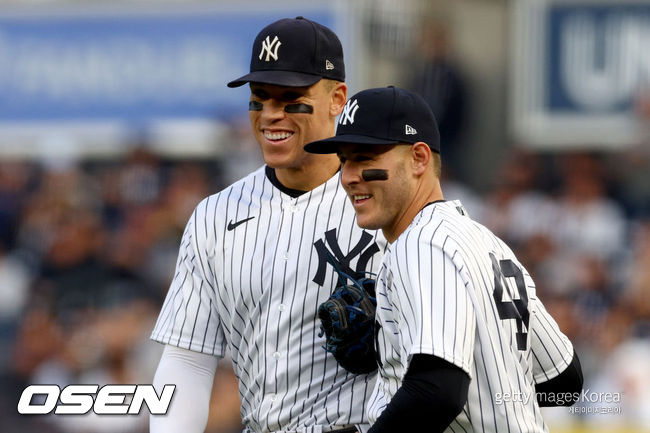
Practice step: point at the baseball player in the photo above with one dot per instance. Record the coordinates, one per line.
(255, 259)
(463, 341)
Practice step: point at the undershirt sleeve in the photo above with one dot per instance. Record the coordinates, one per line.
(193, 374)
(433, 393)
(566, 385)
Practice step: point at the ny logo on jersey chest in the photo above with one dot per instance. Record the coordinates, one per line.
(343, 260)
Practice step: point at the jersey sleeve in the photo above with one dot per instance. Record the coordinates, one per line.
(189, 318)
(551, 350)
(437, 312)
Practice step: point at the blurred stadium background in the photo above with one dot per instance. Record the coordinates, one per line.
(115, 121)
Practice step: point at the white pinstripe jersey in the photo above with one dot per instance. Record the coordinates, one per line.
(250, 276)
(449, 287)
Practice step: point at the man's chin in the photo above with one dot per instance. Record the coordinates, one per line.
(367, 223)
(277, 162)
(286, 161)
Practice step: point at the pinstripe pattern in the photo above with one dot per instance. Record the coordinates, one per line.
(435, 295)
(251, 290)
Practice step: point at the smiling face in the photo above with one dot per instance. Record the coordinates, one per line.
(282, 132)
(379, 203)
(388, 184)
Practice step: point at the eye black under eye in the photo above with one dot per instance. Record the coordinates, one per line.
(255, 106)
(299, 108)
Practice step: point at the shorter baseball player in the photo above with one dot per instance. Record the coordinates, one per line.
(463, 343)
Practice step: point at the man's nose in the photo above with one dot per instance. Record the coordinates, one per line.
(350, 173)
(273, 110)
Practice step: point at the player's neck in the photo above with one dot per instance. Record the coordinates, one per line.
(426, 193)
(310, 175)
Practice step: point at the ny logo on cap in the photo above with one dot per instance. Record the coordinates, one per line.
(349, 111)
(267, 46)
(409, 130)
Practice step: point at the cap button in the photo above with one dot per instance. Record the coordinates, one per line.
(300, 17)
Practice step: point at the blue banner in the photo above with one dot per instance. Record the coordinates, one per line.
(129, 65)
(598, 56)
(579, 70)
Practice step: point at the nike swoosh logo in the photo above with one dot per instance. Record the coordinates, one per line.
(232, 226)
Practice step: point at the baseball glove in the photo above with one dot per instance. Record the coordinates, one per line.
(348, 322)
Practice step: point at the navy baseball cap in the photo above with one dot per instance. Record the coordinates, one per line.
(386, 115)
(294, 52)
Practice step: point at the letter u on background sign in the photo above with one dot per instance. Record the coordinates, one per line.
(577, 69)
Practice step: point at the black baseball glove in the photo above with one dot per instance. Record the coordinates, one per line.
(348, 322)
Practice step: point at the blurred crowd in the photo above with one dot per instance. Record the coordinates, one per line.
(87, 250)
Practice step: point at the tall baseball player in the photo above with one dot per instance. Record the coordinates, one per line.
(255, 259)
(462, 339)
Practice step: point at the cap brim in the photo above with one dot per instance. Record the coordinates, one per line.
(331, 145)
(278, 78)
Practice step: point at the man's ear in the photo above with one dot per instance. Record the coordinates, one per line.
(339, 96)
(420, 157)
